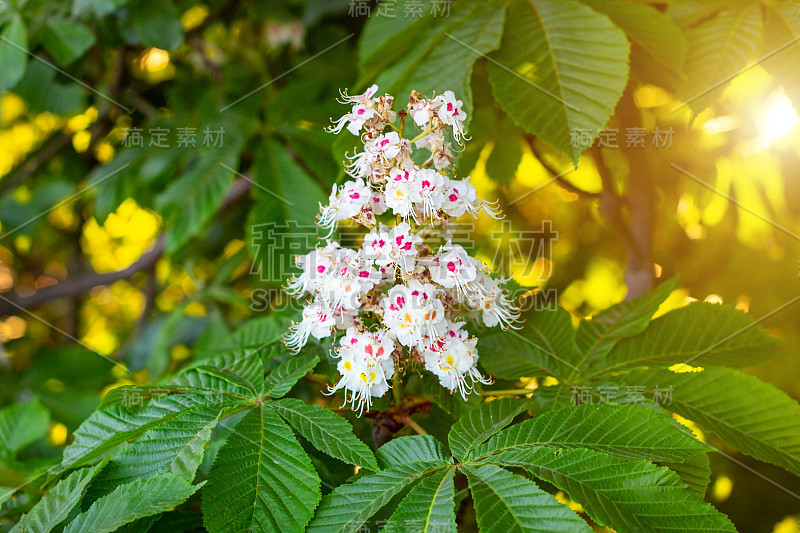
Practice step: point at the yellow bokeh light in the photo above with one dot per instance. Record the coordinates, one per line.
(154, 60)
(776, 120)
(58, 434)
(722, 488)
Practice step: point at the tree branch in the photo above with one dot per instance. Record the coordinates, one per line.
(537, 151)
(73, 288)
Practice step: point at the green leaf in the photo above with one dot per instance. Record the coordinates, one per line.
(443, 55)
(349, 506)
(261, 479)
(43, 93)
(174, 447)
(384, 39)
(282, 224)
(191, 201)
(782, 26)
(156, 23)
(327, 431)
(282, 379)
(698, 334)
(502, 163)
(481, 423)
(648, 27)
(695, 473)
(107, 428)
(505, 502)
(622, 430)
(22, 424)
(543, 78)
(257, 333)
(132, 501)
(750, 415)
(596, 337)
(410, 449)
(546, 345)
(428, 507)
(13, 53)
(238, 373)
(720, 48)
(66, 41)
(55, 506)
(622, 495)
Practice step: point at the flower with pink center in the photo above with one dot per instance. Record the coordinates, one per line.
(401, 193)
(454, 362)
(386, 146)
(449, 112)
(453, 268)
(378, 204)
(344, 203)
(414, 314)
(441, 153)
(404, 249)
(317, 322)
(430, 188)
(493, 304)
(461, 197)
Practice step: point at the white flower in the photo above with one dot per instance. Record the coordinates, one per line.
(404, 244)
(439, 148)
(344, 203)
(461, 197)
(430, 188)
(378, 204)
(414, 314)
(317, 322)
(450, 113)
(421, 112)
(366, 367)
(360, 164)
(493, 304)
(345, 288)
(454, 268)
(453, 362)
(386, 146)
(316, 265)
(400, 192)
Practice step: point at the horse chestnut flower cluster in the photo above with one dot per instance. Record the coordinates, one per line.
(397, 298)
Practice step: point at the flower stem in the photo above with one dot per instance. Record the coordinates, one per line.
(421, 135)
(410, 422)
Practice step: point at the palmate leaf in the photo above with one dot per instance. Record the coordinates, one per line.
(750, 415)
(174, 447)
(480, 424)
(282, 379)
(623, 495)
(22, 424)
(261, 480)
(349, 506)
(256, 334)
(546, 345)
(622, 430)
(55, 506)
(428, 507)
(411, 449)
(107, 428)
(129, 502)
(508, 503)
(327, 431)
(596, 337)
(720, 48)
(544, 79)
(698, 334)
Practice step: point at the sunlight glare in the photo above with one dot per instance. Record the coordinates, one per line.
(778, 119)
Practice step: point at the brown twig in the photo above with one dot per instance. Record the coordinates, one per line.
(72, 288)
